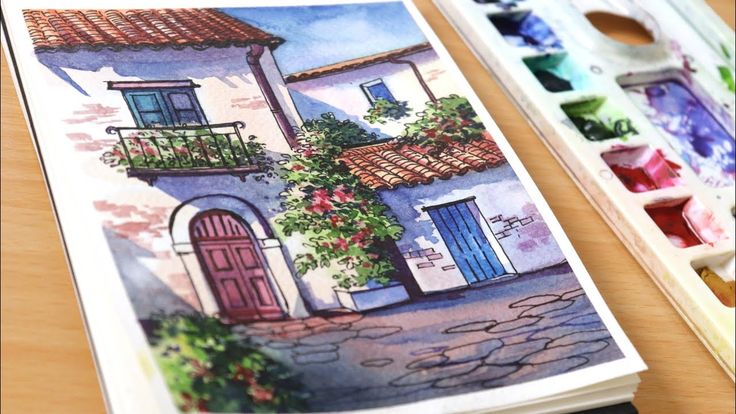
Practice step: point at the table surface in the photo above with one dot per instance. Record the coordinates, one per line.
(46, 361)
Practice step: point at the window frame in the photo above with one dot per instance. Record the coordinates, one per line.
(162, 91)
(372, 99)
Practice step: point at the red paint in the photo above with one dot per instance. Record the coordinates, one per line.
(673, 223)
(642, 169)
(635, 179)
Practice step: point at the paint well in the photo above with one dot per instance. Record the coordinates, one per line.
(556, 72)
(642, 168)
(686, 222)
(524, 28)
(690, 128)
(598, 120)
(718, 273)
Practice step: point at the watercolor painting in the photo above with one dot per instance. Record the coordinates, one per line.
(305, 220)
(646, 131)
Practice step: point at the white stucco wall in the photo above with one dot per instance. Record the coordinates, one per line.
(341, 93)
(520, 238)
(136, 216)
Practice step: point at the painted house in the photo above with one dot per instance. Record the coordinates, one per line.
(348, 89)
(184, 95)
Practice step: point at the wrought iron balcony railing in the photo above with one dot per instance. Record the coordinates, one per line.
(148, 153)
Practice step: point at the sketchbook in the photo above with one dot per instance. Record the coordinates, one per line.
(646, 131)
(296, 206)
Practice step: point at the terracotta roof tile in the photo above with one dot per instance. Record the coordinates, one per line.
(358, 63)
(70, 30)
(387, 165)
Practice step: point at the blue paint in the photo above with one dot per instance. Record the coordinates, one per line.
(526, 29)
(321, 35)
(468, 245)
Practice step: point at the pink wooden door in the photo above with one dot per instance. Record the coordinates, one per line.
(229, 257)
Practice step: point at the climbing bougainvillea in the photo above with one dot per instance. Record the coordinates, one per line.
(343, 220)
(450, 119)
(208, 369)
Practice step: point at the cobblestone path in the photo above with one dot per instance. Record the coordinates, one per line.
(531, 327)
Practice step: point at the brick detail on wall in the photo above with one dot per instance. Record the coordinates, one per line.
(425, 265)
(449, 267)
(413, 254)
(434, 256)
(509, 224)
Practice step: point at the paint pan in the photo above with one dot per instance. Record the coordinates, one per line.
(642, 168)
(646, 130)
(525, 29)
(556, 72)
(597, 120)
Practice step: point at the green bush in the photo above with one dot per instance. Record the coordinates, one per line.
(384, 110)
(343, 220)
(450, 119)
(337, 132)
(208, 369)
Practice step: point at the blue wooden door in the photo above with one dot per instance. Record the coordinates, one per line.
(468, 244)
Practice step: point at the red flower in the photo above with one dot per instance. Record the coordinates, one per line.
(341, 244)
(320, 206)
(321, 193)
(308, 152)
(297, 167)
(335, 220)
(343, 196)
(260, 394)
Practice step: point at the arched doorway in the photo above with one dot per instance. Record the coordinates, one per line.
(231, 260)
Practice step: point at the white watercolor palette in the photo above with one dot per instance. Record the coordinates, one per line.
(646, 131)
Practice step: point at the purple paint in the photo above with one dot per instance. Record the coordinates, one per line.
(697, 136)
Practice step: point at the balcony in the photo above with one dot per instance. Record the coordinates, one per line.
(149, 153)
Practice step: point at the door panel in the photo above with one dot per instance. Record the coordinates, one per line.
(466, 241)
(232, 263)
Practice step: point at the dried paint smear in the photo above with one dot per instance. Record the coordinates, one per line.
(690, 128)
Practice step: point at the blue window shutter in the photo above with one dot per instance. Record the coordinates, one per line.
(148, 108)
(164, 107)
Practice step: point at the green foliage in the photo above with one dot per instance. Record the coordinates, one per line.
(337, 132)
(208, 369)
(182, 149)
(450, 119)
(727, 78)
(384, 110)
(343, 220)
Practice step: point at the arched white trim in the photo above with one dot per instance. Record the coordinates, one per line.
(183, 215)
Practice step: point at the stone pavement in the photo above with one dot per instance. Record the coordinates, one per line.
(512, 331)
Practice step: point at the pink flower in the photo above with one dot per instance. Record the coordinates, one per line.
(308, 152)
(320, 206)
(341, 244)
(343, 196)
(260, 394)
(320, 194)
(297, 167)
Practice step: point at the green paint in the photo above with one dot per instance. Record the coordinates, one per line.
(727, 78)
(597, 120)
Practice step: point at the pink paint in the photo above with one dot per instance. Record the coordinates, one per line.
(686, 223)
(642, 168)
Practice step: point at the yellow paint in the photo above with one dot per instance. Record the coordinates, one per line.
(724, 291)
